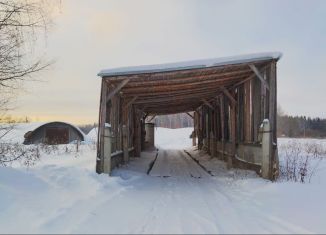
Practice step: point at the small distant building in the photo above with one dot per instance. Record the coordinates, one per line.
(54, 133)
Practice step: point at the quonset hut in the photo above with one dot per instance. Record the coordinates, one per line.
(54, 133)
(234, 101)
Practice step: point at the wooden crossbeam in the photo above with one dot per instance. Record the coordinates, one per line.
(117, 89)
(259, 75)
(190, 115)
(208, 104)
(151, 118)
(146, 115)
(228, 94)
(131, 101)
(174, 99)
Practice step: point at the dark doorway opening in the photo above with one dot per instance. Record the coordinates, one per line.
(57, 135)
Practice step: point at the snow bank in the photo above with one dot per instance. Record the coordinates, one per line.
(92, 135)
(63, 194)
(166, 138)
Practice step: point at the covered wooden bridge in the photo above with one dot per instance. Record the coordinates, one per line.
(233, 99)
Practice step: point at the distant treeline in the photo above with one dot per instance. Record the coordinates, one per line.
(179, 120)
(301, 126)
(287, 126)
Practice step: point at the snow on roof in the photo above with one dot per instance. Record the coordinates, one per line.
(194, 64)
(16, 135)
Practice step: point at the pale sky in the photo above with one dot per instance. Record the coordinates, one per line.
(90, 35)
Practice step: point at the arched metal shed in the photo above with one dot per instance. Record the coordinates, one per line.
(54, 133)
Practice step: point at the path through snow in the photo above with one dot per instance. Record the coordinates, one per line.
(63, 194)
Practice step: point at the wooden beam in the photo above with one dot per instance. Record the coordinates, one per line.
(259, 75)
(146, 115)
(116, 89)
(130, 102)
(172, 99)
(151, 118)
(273, 100)
(228, 94)
(167, 92)
(180, 87)
(220, 76)
(102, 120)
(208, 104)
(190, 115)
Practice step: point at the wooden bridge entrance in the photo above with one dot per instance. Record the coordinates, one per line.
(230, 97)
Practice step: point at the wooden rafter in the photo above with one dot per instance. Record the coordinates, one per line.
(192, 79)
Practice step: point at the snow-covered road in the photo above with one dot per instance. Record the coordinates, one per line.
(63, 194)
(176, 163)
(189, 200)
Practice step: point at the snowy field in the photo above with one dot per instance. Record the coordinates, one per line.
(63, 194)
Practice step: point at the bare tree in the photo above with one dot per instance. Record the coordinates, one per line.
(22, 22)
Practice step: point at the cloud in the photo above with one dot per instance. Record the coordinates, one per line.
(91, 35)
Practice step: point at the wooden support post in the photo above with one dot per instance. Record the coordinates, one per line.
(102, 120)
(125, 144)
(107, 150)
(273, 100)
(232, 134)
(274, 168)
(240, 113)
(247, 111)
(114, 114)
(200, 129)
(222, 125)
(256, 107)
(137, 133)
(193, 138)
(266, 166)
